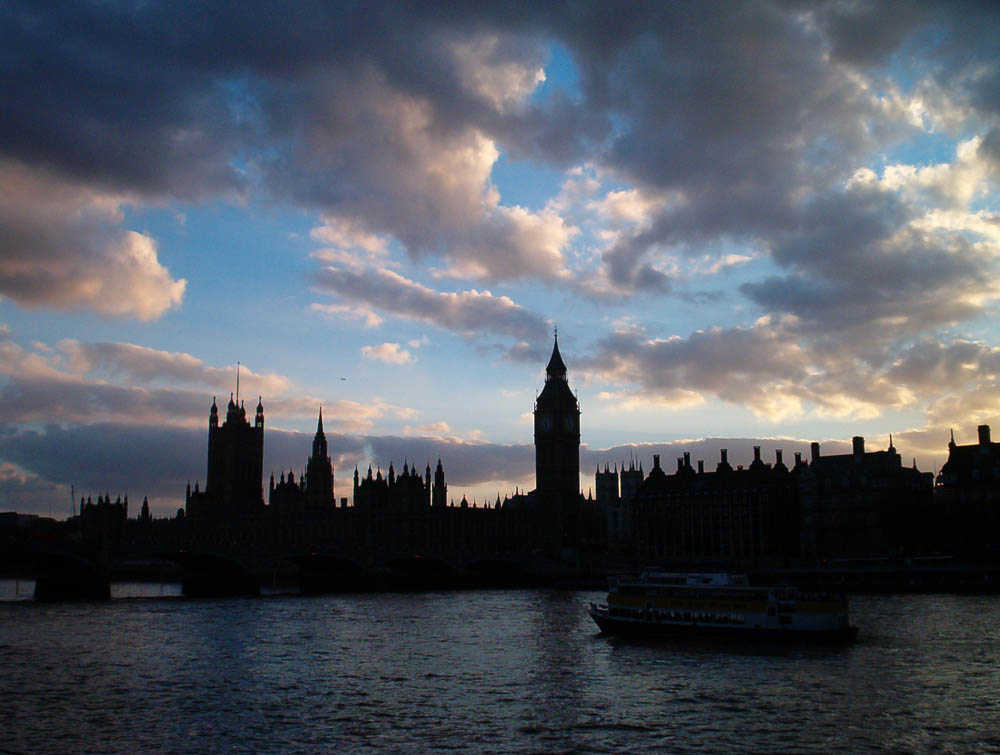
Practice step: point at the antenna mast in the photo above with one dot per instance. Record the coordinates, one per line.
(237, 384)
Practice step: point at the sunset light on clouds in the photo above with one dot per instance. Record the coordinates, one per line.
(750, 220)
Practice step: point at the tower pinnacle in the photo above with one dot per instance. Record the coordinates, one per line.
(556, 367)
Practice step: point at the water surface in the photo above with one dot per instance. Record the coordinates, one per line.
(521, 671)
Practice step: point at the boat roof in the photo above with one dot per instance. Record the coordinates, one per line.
(698, 579)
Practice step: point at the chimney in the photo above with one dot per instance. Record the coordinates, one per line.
(859, 445)
(798, 458)
(725, 453)
(756, 453)
(656, 461)
(984, 435)
(777, 457)
(687, 459)
(814, 448)
(701, 466)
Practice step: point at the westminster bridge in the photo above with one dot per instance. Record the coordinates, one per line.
(216, 558)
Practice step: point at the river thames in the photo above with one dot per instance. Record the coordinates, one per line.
(500, 671)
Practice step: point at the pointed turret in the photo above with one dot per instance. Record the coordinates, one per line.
(556, 367)
(440, 494)
(319, 449)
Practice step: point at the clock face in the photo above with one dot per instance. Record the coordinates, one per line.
(545, 422)
(569, 422)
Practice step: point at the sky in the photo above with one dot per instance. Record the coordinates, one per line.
(752, 223)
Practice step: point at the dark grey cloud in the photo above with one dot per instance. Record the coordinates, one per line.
(989, 150)
(854, 265)
(159, 461)
(741, 365)
(929, 366)
(742, 114)
(376, 113)
(109, 455)
(42, 397)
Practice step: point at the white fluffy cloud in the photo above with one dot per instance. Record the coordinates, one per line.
(390, 353)
(62, 246)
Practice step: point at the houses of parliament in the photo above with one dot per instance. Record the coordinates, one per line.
(861, 504)
(397, 512)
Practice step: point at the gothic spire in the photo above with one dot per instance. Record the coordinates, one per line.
(556, 367)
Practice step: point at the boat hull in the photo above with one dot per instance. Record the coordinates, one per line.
(683, 630)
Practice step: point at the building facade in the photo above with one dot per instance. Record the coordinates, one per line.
(967, 496)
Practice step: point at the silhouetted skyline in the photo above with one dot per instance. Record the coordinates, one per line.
(766, 225)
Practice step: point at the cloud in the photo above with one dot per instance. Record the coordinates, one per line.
(62, 246)
(346, 235)
(746, 366)
(36, 389)
(146, 365)
(389, 122)
(125, 384)
(769, 368)
(433, 429)
(468, 312)
(867, 265)
(627, 206)
(390, 353)
(157, 461)
(488, 69)
(788, 137)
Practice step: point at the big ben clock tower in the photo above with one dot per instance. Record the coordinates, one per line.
(557, 455)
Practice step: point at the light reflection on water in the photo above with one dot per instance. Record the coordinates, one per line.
(482, 671)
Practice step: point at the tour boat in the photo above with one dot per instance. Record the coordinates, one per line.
(702, 605)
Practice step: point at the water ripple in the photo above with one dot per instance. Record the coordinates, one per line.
(482, 672)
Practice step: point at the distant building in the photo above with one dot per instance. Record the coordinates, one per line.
(235, 466)
(863, 503)
(393, 515)
(614, 501)
(726, 516)
(967, 496)
(313, 493)
(847, 505)
(102, 523)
